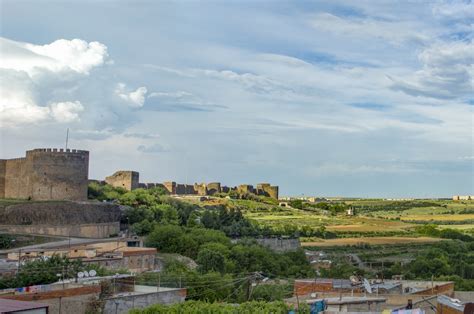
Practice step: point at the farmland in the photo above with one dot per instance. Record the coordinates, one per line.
(373, 218)
(369, 241)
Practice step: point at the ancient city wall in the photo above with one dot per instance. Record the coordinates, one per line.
(16, 179)
(62, 218)
(95, 230)
(58, 175)
(128, 180)
(46, 174)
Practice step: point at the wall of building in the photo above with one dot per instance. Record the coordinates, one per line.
(73, 300)
(96, 230)
(128, 180)
(123, 304)
(279, 244)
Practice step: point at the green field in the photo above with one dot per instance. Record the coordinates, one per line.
(372, 218)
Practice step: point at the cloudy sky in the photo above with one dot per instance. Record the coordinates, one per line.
(354, 98)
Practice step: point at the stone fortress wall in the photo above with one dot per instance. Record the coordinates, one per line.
(46, 174)
(125, 179)
(130, 181)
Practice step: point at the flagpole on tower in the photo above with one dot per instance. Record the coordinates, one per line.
(67, 136)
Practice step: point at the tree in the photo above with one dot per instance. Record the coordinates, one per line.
(167, 238)
(209, 260)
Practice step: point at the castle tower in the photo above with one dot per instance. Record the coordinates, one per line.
(129, 180)
(46, 174)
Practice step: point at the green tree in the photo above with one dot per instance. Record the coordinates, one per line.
(209, 260)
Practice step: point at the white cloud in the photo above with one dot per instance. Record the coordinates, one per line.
(454, 10)
(447, 72)
(31, 74)
(135, 99)
(178, 94)
(357, 28)
(66, 111)
(60, 56)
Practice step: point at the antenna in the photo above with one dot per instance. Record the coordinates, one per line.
(67, 136)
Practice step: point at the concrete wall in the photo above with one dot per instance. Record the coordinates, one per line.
(102, 230)
(279, 244)
(123, 304)
(46, 174)
(128, 180)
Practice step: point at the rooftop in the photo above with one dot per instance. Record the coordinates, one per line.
(7, 306)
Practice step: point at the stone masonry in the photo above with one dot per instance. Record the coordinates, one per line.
(46, 174)
(130, 181)
(124, 179)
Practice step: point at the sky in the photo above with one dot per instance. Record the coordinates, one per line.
(324, 98)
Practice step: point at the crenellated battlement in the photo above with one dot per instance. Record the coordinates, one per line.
(57, 151)
(46, 174)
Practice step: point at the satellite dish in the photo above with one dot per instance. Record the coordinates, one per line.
(80, 274)
(92, 273)
(86, 274)
(367, 286)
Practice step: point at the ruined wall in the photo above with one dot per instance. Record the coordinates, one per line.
(180, 189)
(190, 189)
(124, 179)
(46, 174)
(265, 189)
(213, 188)
(170, 186)
(245, 188)
(200, 188)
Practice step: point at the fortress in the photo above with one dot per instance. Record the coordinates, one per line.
(62, 174)
(129, 180)
(46, 174)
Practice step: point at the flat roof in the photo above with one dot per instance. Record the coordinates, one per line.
(348, 300)
(7, 305)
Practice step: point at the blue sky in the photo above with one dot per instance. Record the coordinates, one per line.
(353, 98)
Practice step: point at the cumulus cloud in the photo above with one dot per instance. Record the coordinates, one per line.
(447, 72)
(134, 99)
(29, 74)
(66, 111)
(61, 55)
